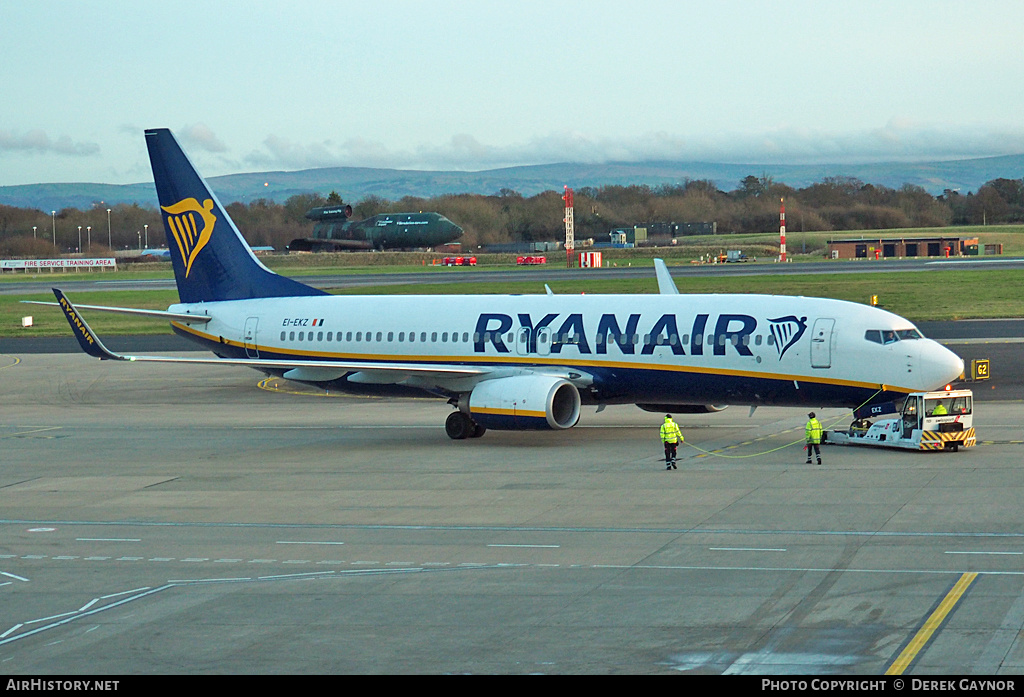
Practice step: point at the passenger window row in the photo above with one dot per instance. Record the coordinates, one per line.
(675, 340)
(565, 338)
(371, 336)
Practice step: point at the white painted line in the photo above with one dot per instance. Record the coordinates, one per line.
(993, 553)
(52, 617)
(528, 546)
(747, 549)
(107, 539)
(88, 605)
(14, 576)
(307, 575)
(11, 630)
(135, 590)
(302, 542)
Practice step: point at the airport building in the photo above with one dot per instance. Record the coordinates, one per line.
(902, 247)
(654, 234)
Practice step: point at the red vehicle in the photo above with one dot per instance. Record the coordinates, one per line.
(459, 261)
(527, 261)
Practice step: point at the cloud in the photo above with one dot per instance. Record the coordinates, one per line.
(897, 140)
(201, 137)
(37, 141)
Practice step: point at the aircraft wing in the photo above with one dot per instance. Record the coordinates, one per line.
(314, 370)
(160, 314)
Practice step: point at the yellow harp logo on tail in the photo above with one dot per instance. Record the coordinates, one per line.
(181, 220)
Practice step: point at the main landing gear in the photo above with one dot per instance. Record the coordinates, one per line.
(459, 426)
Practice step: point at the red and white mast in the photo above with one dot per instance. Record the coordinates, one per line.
(782, 229)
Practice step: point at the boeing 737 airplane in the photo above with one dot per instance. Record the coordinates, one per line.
(518, 362)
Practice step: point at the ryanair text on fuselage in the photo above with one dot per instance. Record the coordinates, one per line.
(728, 329)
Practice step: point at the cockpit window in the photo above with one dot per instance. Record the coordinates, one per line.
(890, 336)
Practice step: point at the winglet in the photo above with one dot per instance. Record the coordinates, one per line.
(87, 339)
(666, 286)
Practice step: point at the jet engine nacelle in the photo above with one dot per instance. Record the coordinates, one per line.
(684, 408)
(524, 403)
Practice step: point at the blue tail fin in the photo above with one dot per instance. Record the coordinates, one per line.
(210, 257)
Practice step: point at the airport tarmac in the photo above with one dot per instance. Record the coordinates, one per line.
(162, 519)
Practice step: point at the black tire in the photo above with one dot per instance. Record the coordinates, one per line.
(478, 430)
(458, 426)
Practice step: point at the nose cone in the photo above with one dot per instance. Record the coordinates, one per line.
(939, 365)
(451, 230)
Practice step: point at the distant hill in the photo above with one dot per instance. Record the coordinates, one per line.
(354, 183)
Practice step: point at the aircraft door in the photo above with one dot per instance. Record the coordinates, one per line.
(544, 341)
(249, 337)
(821, 343)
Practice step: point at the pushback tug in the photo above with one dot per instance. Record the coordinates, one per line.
(941, 420)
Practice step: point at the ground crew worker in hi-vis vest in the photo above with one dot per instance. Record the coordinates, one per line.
(671, 436)
(813, 432)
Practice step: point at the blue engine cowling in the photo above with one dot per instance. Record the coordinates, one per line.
(525, 403)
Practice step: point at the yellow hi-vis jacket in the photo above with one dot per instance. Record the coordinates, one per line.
(813, 431)
(670, 432)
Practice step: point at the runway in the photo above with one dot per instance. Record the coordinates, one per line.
(161, 519)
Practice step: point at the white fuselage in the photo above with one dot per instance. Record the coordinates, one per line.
(675, 349)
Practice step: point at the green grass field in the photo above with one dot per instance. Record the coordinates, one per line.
(918, 296)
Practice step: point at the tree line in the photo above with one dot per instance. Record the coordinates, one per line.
(834, 203)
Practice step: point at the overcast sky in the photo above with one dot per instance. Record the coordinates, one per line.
(270, 85)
